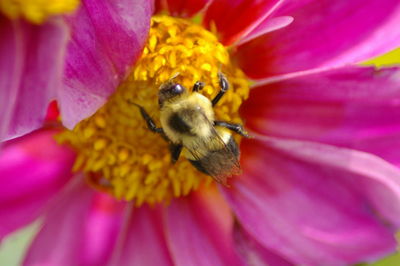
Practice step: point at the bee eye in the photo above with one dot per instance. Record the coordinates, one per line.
(169, 91)
(176, 89)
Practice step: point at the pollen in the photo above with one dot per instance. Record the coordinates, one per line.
(37, 11)
(116, 150)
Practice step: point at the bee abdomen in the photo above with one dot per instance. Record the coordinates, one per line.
(218, 162)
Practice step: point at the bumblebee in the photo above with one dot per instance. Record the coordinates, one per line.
(189, 125)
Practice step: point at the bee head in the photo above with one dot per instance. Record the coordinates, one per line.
(169, 91)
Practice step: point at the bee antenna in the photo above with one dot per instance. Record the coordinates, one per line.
(174, 76)
(133, 103)
(220, 68)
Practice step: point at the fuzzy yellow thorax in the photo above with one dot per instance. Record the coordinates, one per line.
(37, 11)
(115, 149)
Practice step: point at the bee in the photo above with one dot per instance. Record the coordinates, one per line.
(188, 123)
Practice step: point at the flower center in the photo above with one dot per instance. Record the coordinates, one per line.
(36, 11)
(117, 151)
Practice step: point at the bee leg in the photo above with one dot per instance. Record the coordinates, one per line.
(237, 128)
(149, 121)
(223, 83)
(198, 86)
(175, 150)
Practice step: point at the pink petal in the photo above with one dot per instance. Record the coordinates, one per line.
(145, 243)
(268, 25)
(183, 8)
(158, 6)
(33, 169)
(108, 36)
(198, 231)
(291, 5)
(253, 252)
(314, 203)
(103, 224)
(236, 18)
(352, 107)
(29, 75)
(324, 33)
(376, 179)
(80, 229)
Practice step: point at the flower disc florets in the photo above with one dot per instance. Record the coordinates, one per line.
(115, 149)
(37, 11)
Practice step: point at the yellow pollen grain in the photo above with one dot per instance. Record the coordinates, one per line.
(100, 144)
(37, 11)
(116, 150)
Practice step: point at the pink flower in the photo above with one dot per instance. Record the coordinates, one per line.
(320, 182)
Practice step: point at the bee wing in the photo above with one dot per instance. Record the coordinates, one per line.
(220, 163)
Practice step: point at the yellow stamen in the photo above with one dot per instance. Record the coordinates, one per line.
(117, 151)
(36, 11)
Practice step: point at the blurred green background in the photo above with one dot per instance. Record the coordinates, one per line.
(14, 247)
